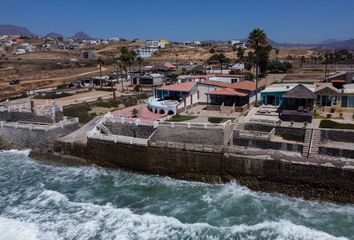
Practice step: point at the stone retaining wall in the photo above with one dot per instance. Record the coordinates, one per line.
(130, 130)
(34, 139)
(189, 135)
(337, 152)
(337, 135)
(267, 144)
(295, 179)
(28, 117)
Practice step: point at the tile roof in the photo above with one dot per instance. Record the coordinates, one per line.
(337, 81)
(180, 87)
(216, 83)
(227, 92)
(247, 85)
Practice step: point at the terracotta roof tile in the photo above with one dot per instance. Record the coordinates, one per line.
(216, 83)
(228, 92)
(180, 87)
(247, 85)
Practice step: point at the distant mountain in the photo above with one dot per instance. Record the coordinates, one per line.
(15, 30)
(347, 44)
(54, 35)
(82, 36)
(329, 41)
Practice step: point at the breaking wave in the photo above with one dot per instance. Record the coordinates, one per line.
(41, 201)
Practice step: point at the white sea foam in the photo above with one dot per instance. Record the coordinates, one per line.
(24, 152)
(284, 229)
(11, 229)
(87, 220)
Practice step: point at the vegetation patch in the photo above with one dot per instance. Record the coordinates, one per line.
(319, 116)
(333, 124)
(218, 119)
(292, 137)
(80, 111)
(181, 118)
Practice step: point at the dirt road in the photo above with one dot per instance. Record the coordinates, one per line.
(61, 79)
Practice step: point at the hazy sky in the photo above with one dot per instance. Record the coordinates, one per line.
(303, 21)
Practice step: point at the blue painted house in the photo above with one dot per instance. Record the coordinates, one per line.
(274, 94)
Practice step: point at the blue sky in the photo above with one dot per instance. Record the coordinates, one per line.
(303, 21)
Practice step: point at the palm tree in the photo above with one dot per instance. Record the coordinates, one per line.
(219, 58)
(276, 51)
(100, 62)
(139, 60)
(258, 41)
(125, 58)
(240, 53)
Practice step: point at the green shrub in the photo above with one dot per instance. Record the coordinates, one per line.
(181, 118)
(333, 124)
(218, 119)
(292, 137)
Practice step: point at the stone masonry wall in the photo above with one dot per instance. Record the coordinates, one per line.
(33, 139)
(189, 135)
(28, 117)
(337, 152)
(266, 144)
(130, 130)
(337, 135)
(295, 179)
(279, 130)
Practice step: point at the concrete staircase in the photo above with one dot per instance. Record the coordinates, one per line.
(228, 134)
(307, 143)
(315, 142)
(226, 110)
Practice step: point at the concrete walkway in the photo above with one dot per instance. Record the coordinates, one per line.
(80, 135)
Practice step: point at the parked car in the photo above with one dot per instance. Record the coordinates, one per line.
(14, 82)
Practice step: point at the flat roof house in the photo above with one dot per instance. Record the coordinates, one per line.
(273, 94)
(153, 79)
(175, 91)
(167, 98)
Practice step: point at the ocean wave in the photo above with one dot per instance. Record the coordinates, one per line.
(87, 220)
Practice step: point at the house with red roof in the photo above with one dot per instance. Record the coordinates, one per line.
(229, 94)
(175, 91)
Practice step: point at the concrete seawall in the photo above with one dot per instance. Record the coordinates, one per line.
(27, 136)
(257, 171)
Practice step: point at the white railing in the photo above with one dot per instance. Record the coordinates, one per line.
(14, 107)
(122, 120)
(188, 146)
(196, 124)
(117, 138)
(255, 134)
(265, 121)
(39, 125)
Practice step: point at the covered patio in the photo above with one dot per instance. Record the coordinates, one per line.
(228, 97)
(298, 105)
